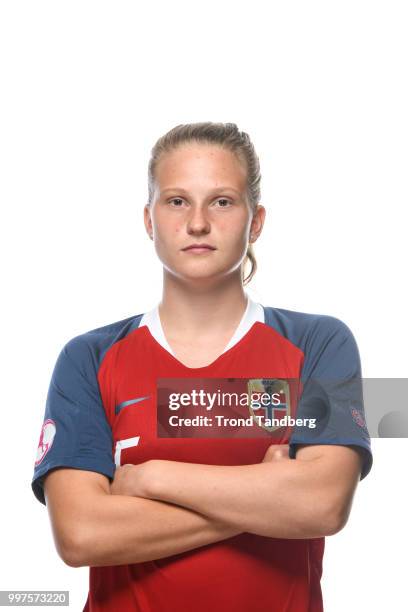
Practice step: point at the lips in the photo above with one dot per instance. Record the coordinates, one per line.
(203, 246)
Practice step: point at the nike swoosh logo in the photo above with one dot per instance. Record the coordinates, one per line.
(136, 400)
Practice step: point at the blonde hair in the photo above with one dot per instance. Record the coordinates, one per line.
(226, 135)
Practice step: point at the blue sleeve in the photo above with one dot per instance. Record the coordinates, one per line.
(75, 432)
(332, 391)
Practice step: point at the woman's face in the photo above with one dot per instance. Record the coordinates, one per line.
(200, 197)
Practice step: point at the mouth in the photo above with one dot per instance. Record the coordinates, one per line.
(199, 248)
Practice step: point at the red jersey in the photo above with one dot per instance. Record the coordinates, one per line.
(103, 411)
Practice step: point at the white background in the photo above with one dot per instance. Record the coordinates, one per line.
(86, 89)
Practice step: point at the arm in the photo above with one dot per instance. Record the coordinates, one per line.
(93, 527)
(304, 498)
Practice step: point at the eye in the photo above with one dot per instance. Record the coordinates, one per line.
(176, 199)
(224, 200)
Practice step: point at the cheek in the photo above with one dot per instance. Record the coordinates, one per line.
(167, 228)
(233, 234)
(169, 237)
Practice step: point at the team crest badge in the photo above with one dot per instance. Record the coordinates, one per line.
(358, 417)
(46, 439)
(272, 395)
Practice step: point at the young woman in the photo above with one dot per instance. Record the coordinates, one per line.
(173, 499)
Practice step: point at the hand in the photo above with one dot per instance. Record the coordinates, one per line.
(131, 480)
(276, 452)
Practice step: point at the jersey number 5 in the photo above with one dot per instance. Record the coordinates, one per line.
(127, 443)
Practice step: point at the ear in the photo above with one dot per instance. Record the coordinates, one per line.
(257, 222)
(148, 220)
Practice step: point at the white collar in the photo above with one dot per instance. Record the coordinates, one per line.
(253, 312)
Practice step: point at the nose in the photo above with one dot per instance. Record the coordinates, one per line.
(197, 221)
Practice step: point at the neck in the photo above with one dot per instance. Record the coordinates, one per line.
(201, 309)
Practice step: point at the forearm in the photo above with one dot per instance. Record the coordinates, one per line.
(120, 529)
(286, 499)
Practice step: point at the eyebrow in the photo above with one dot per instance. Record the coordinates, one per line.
(216, 189)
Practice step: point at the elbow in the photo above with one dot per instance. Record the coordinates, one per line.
(329, 526)
(328, 521)
(72, 551)
(70, 556)
(72, 559)
(336, 518)
(334, 525)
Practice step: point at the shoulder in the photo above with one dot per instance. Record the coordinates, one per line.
(91, 346)
(304, 329)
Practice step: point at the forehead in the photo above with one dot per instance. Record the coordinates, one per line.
(199, 164)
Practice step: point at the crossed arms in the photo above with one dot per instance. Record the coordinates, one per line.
(161, 508)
